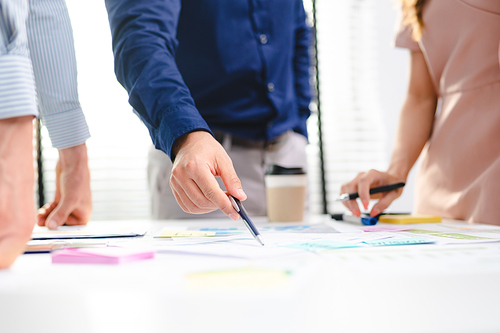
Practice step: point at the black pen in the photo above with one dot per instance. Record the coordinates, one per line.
(244, 216)
(385, 188)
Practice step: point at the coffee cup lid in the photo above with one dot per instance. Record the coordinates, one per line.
(274, 169)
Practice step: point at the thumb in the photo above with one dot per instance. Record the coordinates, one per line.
(58, 216)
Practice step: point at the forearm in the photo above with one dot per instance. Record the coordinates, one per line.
(414, 129)
(17, 216)
(16, 152)
(74, 159)
(416, 119)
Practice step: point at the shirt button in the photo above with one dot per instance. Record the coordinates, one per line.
(270, 87)
(263, 39)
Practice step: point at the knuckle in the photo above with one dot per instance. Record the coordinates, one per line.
(211, 194)
(191, 167)
(176, 173)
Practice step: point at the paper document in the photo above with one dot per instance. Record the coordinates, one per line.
(88, 231)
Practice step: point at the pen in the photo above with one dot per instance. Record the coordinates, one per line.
(385, 188)
(244, 216)
(365, 220)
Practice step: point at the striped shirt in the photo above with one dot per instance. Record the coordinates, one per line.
(39, 32)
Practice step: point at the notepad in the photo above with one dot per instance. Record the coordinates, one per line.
(108, 255)
(409, 219)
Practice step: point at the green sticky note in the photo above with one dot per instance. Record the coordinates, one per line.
(460, 236)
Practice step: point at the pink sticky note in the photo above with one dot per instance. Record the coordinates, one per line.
(106, 255)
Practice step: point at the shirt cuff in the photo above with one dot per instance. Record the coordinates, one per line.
(176, 122)
(17, 87)
(67, 129)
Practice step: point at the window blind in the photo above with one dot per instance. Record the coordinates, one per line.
(353, 133)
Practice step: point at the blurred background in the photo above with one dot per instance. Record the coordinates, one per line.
(360, 81)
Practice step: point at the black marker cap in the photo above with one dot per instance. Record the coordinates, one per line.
(274, 169)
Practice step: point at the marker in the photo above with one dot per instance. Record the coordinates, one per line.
(364, 220)
(244, 216)
(375, 190)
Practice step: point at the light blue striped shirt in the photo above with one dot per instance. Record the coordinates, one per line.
(40, 30)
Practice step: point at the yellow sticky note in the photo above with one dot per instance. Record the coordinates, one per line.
(237, 278)
(409, 219)
(185, 233)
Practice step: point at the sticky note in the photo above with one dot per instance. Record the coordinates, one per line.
(238, 278)
(398, 241)
(409, 219)
(322, 245)
(108, 255)
(185, 233)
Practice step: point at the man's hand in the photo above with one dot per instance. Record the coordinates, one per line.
(17, 207)
(72, 204)
(199, 159)
(362, 184)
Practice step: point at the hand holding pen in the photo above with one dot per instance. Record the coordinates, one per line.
(372, 185)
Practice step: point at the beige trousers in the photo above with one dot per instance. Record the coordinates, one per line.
(250, 165)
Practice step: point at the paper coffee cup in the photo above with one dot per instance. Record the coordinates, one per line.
(285, 194)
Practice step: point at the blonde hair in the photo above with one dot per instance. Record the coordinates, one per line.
(412, 16)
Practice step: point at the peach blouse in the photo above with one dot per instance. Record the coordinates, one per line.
(459, 175)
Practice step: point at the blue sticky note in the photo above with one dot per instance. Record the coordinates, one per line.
(322, 245)
(398, 241)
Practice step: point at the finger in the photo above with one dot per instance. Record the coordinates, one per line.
(179, 201)
(193, 197)
(186, 203)
(231, 179)
(43, 212)
(59, 215)
(76, 219)
(367, 181)
(212, 191)
(384, 202)
(352, 187)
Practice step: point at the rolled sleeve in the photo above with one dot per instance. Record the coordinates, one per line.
(17, 86)
(67, 129)
(51, 44)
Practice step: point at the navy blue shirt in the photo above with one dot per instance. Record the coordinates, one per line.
(241, 66)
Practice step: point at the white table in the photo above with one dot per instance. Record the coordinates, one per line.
(421, 288)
